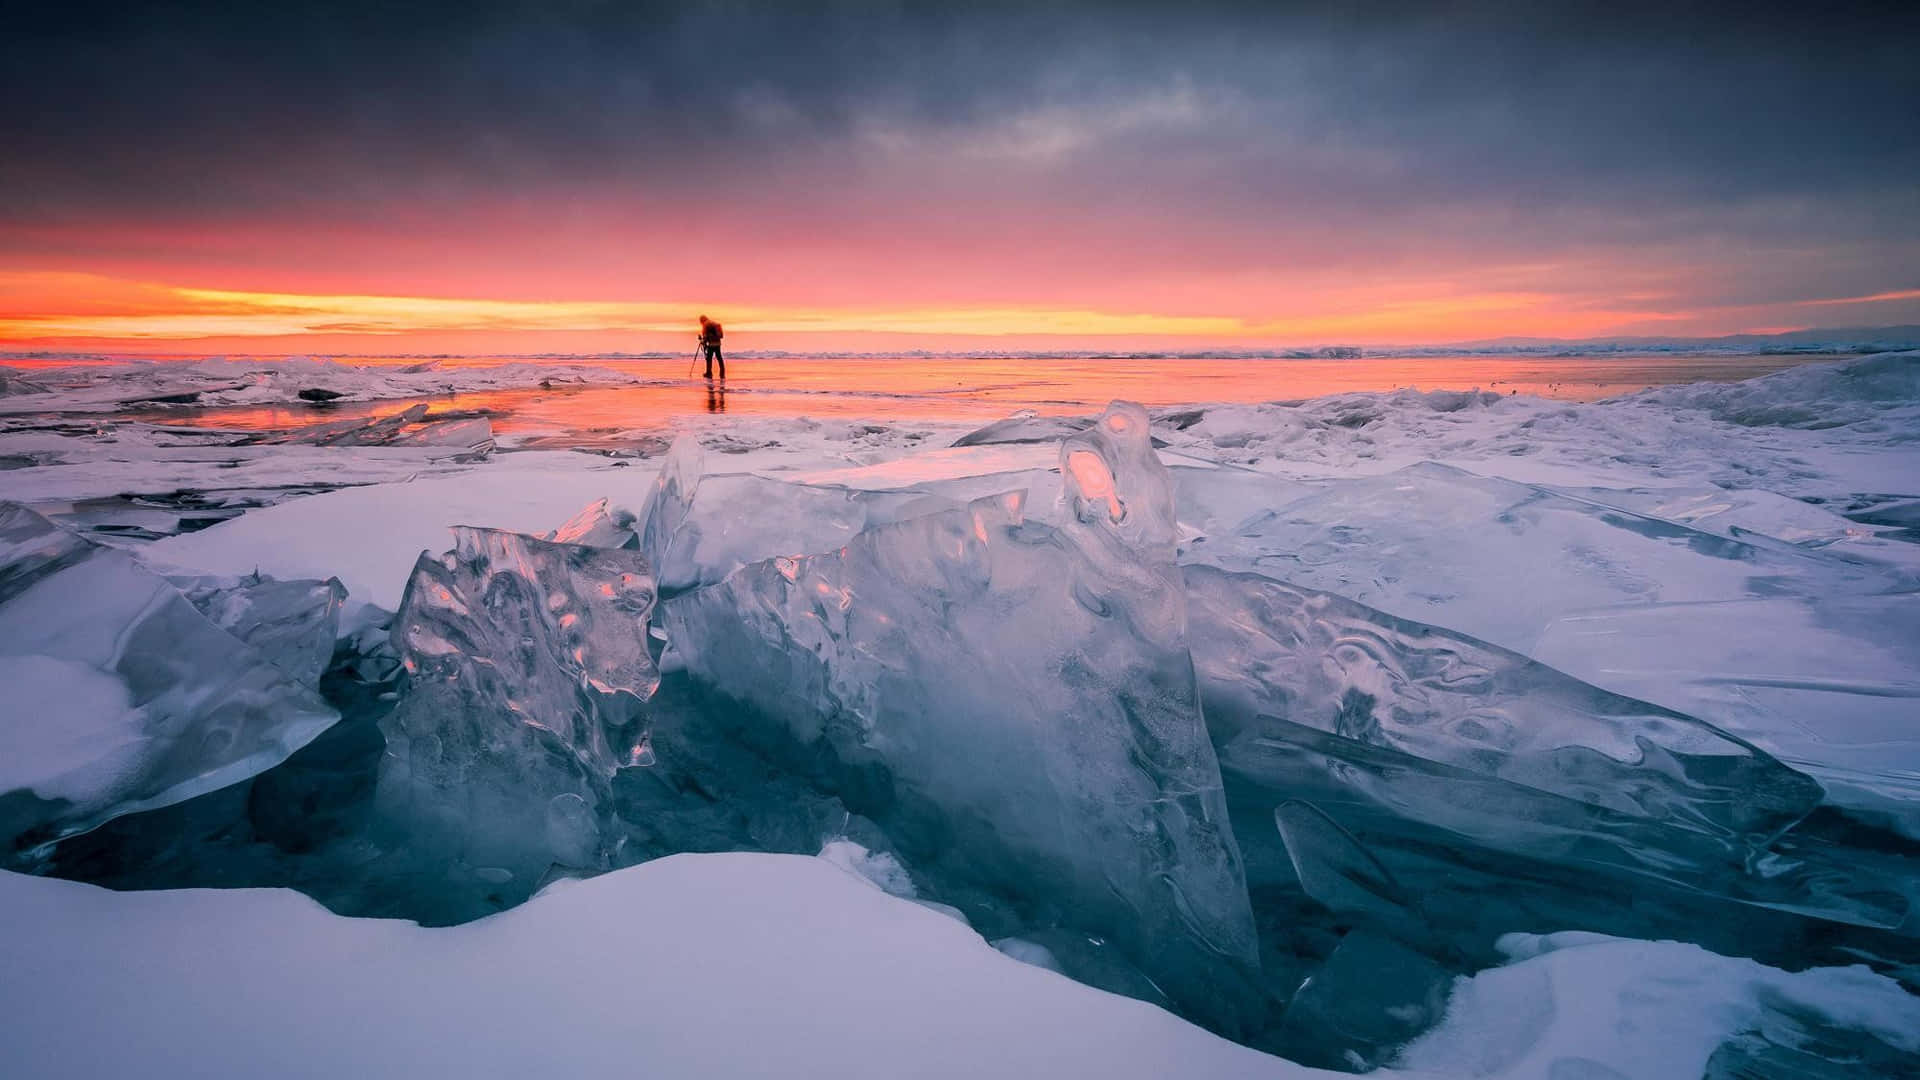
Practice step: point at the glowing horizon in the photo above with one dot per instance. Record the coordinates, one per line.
(68, 311)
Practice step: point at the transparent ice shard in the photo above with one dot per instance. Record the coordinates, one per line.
(33, 548)
(359, 431)
(699, 528)
(473, 434)
(1399, 730)
(597, 526)
(1338, 872)
(292, 623)
(526, 662)
(673, 493)
(1025, 426)
(1270, 652)
(1015, 705)
(169, 704)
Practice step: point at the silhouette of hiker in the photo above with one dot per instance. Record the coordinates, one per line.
(710, 335)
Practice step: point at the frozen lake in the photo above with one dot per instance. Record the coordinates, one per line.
(1344, 719)
(923, 389)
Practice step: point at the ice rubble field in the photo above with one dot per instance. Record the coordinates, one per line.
(1434, 733)
(105, 386)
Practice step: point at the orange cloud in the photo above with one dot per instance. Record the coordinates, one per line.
(66, 309)
(1897, 294)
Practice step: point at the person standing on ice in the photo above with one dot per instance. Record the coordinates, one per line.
(710, 335)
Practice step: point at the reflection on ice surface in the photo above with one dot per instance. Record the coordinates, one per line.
(1328, 762)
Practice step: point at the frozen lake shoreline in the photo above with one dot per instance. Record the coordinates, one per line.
(1740, 553)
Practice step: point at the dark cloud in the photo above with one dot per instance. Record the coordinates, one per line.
(1795, 125)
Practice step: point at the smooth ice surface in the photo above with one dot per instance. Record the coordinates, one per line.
(412, 426)
(1828, 683)
(1500, 560)
(1021, 693)
(521, 655)
(163, 703)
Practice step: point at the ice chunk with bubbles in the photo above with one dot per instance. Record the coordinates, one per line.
(127, 696)
(526, 659)
(1014, 703)
(879, 868)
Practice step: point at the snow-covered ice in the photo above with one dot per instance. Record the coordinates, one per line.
(1484, 677)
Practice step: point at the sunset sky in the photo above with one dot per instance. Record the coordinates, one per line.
(585, 177)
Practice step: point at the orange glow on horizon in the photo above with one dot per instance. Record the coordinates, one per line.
(55, 310)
